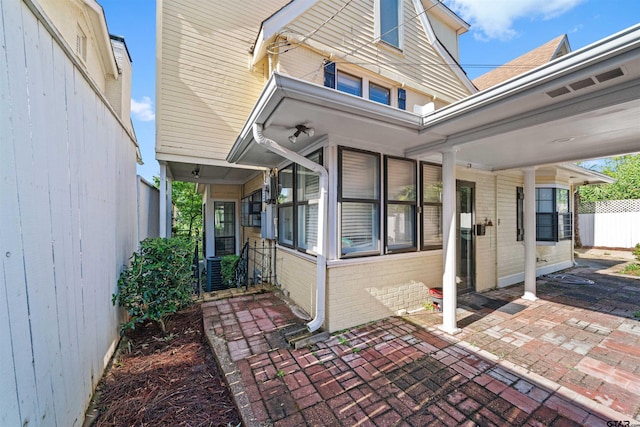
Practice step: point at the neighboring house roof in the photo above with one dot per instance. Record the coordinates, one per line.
(541, 55)
(584, 105)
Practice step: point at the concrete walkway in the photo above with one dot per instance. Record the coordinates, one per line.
(570, 358)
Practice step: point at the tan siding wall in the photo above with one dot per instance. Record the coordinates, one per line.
(297, 275)
(418, 65)
(226, 192)
(485, 207)
(360, 293)
(446, 35)
(554, 254)
(302, 63)
(510, 251)
(205, 88)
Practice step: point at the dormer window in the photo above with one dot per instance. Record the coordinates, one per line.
(388, 13)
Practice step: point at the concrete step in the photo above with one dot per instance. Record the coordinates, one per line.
(300, 338)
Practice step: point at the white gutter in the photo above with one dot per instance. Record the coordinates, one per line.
(321, 261)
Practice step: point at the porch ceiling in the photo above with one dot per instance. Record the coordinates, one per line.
(522, 122)
(184, 170)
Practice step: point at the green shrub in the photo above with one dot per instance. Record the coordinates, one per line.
(157, 282)
(228, 269)
(636, 251)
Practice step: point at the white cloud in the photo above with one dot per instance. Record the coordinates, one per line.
(143, 110)
(493, 19)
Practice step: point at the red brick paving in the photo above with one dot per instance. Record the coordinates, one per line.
(405, 375)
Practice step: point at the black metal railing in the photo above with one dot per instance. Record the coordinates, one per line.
(256, 264)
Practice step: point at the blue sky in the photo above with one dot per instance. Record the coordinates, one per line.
(501, 30)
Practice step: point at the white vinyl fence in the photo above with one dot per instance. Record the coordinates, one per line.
(610, 224)
(68, 211)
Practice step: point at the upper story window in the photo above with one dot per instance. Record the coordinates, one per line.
(349, 84)
(379, 94)
(352, 84)
(388, 21)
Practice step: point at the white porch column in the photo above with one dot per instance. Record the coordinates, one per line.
(530, 234)
(169, 206)
(449, 287)
(163, 201)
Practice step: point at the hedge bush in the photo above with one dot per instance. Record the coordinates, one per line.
(157, 282)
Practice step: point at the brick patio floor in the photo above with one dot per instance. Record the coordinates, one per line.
(570, 358)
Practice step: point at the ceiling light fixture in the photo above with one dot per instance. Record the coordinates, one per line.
(301, 129)
(196, 172)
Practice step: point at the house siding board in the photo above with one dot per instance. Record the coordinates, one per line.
(353, 30)
(447, 36)
(207, 75)
(303, 63)
(67, 241)
(510, 251)
(380, 289)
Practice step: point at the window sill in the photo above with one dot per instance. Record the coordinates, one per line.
(344, 262)
(390, 48)
(296, 252)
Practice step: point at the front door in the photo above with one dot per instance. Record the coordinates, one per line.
(465, 260)
(224, 228)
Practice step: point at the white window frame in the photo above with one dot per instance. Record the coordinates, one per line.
(378, 30)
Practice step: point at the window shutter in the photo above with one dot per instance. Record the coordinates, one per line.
(330, 74)
(520, 213)
(402, 99)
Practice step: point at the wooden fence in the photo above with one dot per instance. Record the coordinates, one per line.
(68, 210)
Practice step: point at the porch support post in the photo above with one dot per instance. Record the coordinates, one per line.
(162, 222)
(530, 234)
(449, 287)
(169, 205)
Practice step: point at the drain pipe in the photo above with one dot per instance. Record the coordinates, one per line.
(321, 260)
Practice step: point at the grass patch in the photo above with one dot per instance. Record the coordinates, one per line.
(631, 269)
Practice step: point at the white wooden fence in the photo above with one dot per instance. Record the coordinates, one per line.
(610, 224)
(68, 225)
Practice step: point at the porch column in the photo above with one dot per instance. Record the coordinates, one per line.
(530, 234)
(169, 206)
(449, 288)
(162, 221)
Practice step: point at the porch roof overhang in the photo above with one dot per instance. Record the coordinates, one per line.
(581, 106)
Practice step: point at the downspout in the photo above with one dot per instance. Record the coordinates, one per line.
(321, 260)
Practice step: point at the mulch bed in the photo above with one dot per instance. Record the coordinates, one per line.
(166, 379)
